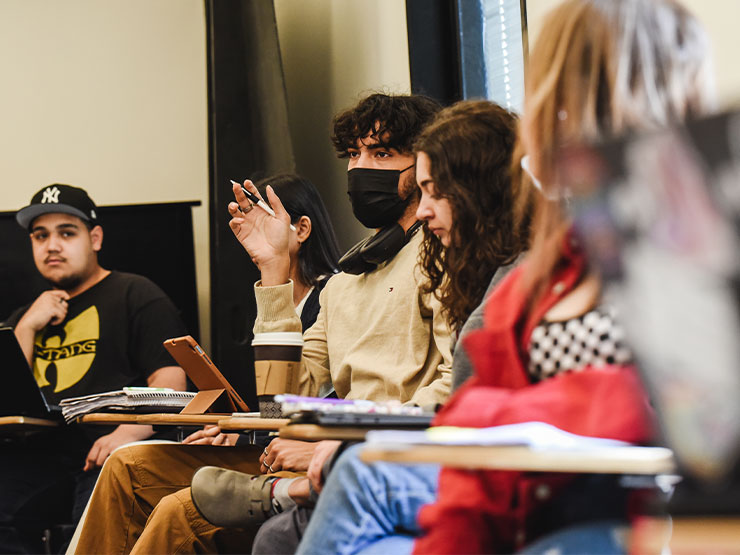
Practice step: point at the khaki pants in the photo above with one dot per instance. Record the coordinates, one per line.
(142, 502)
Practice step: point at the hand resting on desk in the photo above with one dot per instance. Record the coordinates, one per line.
(210, 435)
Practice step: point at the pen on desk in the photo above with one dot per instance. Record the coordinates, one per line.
(254, 199)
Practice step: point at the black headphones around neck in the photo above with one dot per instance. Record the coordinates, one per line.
(372, 251)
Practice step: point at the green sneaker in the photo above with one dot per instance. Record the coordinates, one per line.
(230, 498)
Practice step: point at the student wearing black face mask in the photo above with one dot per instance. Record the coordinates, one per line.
(376, 193)
(378, 336)
(381, 189)
(380, 201)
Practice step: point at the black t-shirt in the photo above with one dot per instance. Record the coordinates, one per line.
(111, 338)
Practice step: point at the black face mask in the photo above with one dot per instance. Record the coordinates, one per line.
(374, 196)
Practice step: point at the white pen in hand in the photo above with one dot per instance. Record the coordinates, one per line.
(254, 199)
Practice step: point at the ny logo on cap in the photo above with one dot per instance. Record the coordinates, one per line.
(51, 194)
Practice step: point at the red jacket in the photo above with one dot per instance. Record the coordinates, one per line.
(490, 511)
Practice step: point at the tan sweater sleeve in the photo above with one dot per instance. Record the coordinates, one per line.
(275, 312)
(438, 390)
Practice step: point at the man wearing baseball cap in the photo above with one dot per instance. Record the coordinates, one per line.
(94, 330)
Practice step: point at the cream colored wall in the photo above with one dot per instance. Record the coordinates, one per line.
(335, 51)
(110, 96)
(720, 18)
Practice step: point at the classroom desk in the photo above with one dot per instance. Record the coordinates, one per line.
(152, 419)
(616, 460)
(20, 425)
(224, 421)
(240, 423)
(314, 432)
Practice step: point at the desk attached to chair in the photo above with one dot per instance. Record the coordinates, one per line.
(648, 535)
(224, 421)
(617, 460)
(613, 460)
(314, 432)
(21, 425)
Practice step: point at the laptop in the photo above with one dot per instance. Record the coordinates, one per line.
(659, 217)
(371, 420)
(20, 394)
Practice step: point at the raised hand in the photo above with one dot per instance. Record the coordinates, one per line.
(263, 236)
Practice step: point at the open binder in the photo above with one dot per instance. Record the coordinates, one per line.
(215, 393)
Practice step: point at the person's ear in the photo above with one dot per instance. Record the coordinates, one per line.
(303, 228)
(96, 237)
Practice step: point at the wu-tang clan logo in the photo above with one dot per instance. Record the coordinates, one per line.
(51, 194)
(70, 352)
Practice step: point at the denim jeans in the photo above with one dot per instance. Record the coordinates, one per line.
(369, 508)
(604, 537)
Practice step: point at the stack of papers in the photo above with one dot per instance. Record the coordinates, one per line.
(150, 399)
(536, 435)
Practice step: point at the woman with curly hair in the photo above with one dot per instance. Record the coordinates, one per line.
(462, 168)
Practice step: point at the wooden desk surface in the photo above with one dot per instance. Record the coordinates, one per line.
(715, 535)
(240, 423)
(153, 419)
(225, 421)
(314, 432)
(15, 424)
(617, 460)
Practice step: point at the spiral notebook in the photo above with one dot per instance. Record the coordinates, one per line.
(128, 399)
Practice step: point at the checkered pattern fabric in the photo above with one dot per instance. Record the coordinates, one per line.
(593, 339)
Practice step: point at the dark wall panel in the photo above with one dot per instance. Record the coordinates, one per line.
(153, 240)
(248, 138)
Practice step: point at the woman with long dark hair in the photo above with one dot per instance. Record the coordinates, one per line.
(314, 253)
(313, 248)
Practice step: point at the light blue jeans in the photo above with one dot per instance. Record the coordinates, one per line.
(369, 508)
(604, 537)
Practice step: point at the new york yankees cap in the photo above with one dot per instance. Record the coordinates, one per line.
(58, 198)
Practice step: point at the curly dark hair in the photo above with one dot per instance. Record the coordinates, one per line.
(394, 120)
(470, 147)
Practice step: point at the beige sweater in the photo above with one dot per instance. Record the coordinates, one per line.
(376, 337)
